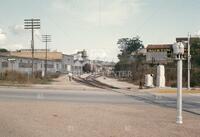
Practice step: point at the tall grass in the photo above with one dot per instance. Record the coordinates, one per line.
(25, 78)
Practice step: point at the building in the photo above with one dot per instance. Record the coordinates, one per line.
(8, 62)
(80, 59)
(162, 53)
(159, 53)
(21, 61)
(67, 63)
(102, 66)
(57, 62)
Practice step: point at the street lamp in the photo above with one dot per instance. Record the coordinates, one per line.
(178, 50)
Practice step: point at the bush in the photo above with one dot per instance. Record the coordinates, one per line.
(14, 76)
(23, 78)
(195, 79)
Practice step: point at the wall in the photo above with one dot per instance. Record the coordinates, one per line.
(24, 65)
(67, 63)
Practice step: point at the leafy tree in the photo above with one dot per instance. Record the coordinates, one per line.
(128, 46)
(129, 59)
(195, 52)
(3, 50)
(195, 60)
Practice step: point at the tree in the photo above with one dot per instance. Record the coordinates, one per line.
(129, 59)
(3, 50)
(128, 46)
(195, 52)
(195, 61)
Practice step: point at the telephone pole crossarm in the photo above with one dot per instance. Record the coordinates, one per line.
(46, 39)
(32, 24)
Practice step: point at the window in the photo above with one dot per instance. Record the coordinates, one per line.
(4, 64)
(49, 65)
(25, 65)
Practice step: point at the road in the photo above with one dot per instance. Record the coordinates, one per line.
(81, 96)
(191, 103)
(85, 113)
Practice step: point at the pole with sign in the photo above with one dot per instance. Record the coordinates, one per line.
(178, 50)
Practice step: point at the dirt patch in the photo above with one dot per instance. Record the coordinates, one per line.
(92, 120)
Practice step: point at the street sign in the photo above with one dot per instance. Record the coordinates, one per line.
(11, 59)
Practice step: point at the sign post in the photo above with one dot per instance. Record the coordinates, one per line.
(178, 50)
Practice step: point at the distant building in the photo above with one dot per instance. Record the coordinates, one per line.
(21, 60)
(162, 53)
(67, 63)
(102, 66)
(159, 53)
(24, 64)
(80, 59)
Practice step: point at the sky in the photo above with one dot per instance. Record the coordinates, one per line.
(96, 25)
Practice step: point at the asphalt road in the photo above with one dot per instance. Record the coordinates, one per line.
(97, 96)
(191, 103)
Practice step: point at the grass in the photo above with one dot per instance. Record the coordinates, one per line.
(13, 78)
(173, 91)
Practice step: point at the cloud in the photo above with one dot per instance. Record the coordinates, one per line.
(17, 29)
(198, 33)
(113, 12)
(3, 36)
(37, 33)
(102, 54)
(63, 5)
(58, 4)
(97, 12)
(12, 46)
(17, 46)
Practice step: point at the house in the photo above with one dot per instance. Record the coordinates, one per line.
(8, 62)
(159, 53)
(21, 60)
(163, 53)
(67, 63)
(77, 67)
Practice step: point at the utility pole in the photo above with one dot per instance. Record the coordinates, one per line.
(189, 62)
(32, 24)
(46, 39)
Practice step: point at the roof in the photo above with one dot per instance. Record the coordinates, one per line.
(185, 39)
(159, 46)
(4, 53)
(7, 55)
(38, 55)
(180, 39)
(68, 55)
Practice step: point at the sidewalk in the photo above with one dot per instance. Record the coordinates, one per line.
(116, 83)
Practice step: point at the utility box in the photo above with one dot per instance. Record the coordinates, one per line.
(160, 78)
(149, 80)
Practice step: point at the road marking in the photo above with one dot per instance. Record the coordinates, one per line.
(40, 96)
